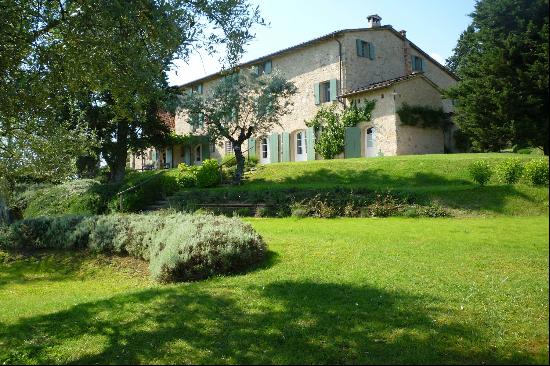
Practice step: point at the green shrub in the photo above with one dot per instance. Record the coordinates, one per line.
(179, 247)
(384, 206)
(432, 210)
(299, 210)
(187, 175)
(509, 171)
(480, 171)
(208, 174)
(536, 171)
(204, 246)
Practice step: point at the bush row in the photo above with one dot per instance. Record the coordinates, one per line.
(310, 202)
(511, 171)
(178, 247)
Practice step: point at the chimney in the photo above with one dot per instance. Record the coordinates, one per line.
(374, 21)
(403, 33)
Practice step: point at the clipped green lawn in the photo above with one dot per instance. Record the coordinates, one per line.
(443, 178)
(472, 290)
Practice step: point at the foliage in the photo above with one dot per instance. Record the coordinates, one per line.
(179, 247)
(208, 174)
(510, 171)
(423, 116)
(502, 98)
(103, 64)
(241, 105)
(537, 172)
(331, 126)
(480, 171)
(187, 176)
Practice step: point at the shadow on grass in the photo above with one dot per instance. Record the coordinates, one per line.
(282, 322)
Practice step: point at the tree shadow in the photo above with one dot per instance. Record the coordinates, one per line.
(283, 322)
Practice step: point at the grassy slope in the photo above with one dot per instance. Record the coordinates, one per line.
(397, 290)
(441, 178)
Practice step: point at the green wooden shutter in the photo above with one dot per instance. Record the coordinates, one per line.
(359, 46)
(333, 90)
(252, 147)
(169, 160)
(352, 141)
(267, 67)
(421, 64)
(317, 91)
(310, 136)
(199, 88)
(205, 149)
(371, 51)
(274, 147)
(154, 155)
(285, 142)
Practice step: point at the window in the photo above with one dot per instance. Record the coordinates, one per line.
(417, 63)
(264, 148)
(196, 121)
(212, 147)
(365, 49)
(228, 147)
(264, 68)
(325, 92)
(196, 89)
(301, 143)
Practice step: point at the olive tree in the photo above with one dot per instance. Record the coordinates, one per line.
(241, 105)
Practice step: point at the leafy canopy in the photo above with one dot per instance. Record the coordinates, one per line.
(502, 98)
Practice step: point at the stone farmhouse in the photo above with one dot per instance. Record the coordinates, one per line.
(350, 65)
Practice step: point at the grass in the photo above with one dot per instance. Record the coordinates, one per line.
(472, 290)
(439, 178)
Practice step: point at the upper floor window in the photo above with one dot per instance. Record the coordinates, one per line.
(326, 91)
(196, 121)
(212, 147)
(365, 49)
(417, 63)
(264, 68)
(196, 89)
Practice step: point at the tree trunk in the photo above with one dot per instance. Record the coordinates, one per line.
(545, 148)
(4, 213)
(119, 153)
(240, 163)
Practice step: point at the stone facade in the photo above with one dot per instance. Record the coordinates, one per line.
(335, 57)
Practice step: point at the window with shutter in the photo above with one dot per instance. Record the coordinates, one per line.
(417, 63)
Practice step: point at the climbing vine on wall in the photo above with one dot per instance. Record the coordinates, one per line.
(330, 126)
(423, 116)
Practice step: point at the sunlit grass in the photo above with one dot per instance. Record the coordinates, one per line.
(332, 291)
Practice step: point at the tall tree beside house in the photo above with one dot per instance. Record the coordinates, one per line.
(242, 105)
(502, 98)
(84, 50)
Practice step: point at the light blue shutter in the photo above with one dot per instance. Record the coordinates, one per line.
(199, 88)
(169, 157)
(274, 147)
(285, 142)
(154, 155)
(359, 46)
(333, 90)
(352, 140)
(371, 51)
(421, 64)
(267, 67)
(317, 91)
(257, 70)
(310, 137)
(252, 147)
(187, 155)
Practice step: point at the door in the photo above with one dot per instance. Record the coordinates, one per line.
(264, 151)
(370, 142)
(198, 155)
(301, 146)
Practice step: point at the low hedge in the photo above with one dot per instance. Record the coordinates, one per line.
(179, 247)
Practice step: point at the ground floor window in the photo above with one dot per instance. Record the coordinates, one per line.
(228, 147)
(198, 154)
(264, 148)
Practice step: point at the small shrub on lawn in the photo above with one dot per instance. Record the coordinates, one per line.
(208, 174)
(204, 246)
(481, 172)
(509, 171)
(178, 246)
(536, 172)
(299, 210)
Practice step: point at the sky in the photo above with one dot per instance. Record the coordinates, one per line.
(433, 25)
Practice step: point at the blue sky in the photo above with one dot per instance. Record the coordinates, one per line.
(433, 25)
